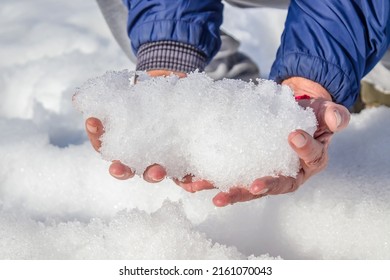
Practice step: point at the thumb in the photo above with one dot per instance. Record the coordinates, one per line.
(309, 150)
(330, 116)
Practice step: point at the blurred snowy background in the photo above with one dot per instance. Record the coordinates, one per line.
(57, 200)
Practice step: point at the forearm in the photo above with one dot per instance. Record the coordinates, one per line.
(171, 56)
(333, 43)
(174, 35)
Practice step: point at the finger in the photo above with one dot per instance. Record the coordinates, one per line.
(234, 195)
(276, 185)
(336, 117)
(94, 130)
(330, 116)
(284, 184)
(262, 185)
(154, 173)
(120, 171)
(193, 186)
(309, 150)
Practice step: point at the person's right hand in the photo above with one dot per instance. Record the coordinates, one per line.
(94, 127)
(312, 151)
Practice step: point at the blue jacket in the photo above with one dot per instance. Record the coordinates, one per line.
(332, 42)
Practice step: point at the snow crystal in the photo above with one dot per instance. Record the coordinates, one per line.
(229, 132)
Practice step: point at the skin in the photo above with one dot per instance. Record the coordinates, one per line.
(312, 151)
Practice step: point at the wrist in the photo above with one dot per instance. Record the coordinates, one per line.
(170, 55)
(302, 86)
(163, 72)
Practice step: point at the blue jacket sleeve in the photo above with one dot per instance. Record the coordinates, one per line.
(334, 43)
(191, 22)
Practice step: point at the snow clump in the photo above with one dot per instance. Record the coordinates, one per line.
(229, 132)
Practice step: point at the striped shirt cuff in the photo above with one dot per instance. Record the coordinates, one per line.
(170, 55)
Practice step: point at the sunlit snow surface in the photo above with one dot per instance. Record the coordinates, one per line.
(57, 200)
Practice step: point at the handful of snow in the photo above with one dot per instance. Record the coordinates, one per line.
(229, 132)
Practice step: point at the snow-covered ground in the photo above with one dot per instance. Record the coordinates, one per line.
(57, 200)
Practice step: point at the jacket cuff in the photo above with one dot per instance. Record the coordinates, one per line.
(342, 86)
(170, 55)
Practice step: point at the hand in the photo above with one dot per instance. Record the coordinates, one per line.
(154, 173)
(312, 151)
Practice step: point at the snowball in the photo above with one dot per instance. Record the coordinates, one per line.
(229, 132)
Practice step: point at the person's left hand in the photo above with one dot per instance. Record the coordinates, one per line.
(312, 151)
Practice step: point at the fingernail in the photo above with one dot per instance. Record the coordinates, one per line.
(259, 190)
(91, 128)
(338, 118)
(219, 202)
(299, 140)
(157, 179)
(155, 174)
(119, 175)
